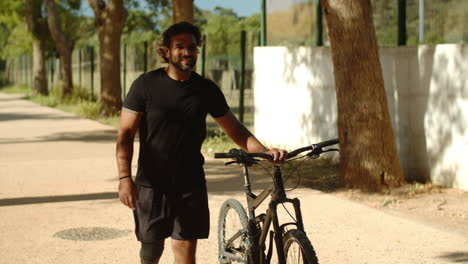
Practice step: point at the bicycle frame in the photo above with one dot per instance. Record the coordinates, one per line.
(259, 227)
(270, 217)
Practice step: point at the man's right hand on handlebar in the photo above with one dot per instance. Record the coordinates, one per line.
(279, 155)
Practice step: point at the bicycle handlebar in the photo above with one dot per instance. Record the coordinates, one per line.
(314, 147)
(239, 153)
(243, 156)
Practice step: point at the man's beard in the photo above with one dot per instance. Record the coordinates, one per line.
(181, 67)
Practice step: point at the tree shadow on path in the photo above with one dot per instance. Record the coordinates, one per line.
(455, 257)
(94, 136)
(223, 179)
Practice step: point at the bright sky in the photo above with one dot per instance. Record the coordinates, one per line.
(240, 7)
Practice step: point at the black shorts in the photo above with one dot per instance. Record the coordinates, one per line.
(159, 215)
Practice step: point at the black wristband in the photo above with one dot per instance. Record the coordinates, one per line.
(265, 150)
(124, 177)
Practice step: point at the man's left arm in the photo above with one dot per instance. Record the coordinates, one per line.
(245, 139)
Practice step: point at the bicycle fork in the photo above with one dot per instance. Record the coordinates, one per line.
(279, 196)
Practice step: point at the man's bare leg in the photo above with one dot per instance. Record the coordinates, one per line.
(150, 253)
(184, 251)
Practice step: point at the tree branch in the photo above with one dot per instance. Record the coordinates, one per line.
(28, 15)
(98, 7)
(53, 19)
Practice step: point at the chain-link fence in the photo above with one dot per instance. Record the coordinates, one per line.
(289, 23)
(17, 70)
(137, 58)
(294, 22)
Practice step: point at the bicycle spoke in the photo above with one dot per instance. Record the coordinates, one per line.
(233, 237)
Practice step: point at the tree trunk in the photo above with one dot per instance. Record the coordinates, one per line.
(368, 155)
(110, 19)
(109, 56)
(38, 68)
(64, 47)
(38, 31)
(182, 11)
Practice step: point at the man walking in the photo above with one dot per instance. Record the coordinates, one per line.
(168, 107)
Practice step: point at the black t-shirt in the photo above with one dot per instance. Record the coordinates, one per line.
(173, 127)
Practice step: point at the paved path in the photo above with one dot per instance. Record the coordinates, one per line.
(58, 203)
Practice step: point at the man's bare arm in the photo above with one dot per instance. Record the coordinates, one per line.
(129, 121)
(244, 138)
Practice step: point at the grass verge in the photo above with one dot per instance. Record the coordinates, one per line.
(80, 102)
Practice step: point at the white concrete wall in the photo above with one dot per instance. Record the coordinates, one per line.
(427, 91)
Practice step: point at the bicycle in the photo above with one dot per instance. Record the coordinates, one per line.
(245, 242)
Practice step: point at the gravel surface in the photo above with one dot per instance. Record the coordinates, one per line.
(58, 203)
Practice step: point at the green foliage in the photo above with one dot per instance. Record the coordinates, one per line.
(88, 109)
(55, 99)
(223, 29)
(80, 102)
(217, 141)
(73, 4)
(73, 24)
(444, 21)
(140, 20)
(15, 89)
(14, 36)
(15, 41)
(158, 4)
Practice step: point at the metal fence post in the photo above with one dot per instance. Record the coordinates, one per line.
(124, 91)
(401, 22)
(51, 73)
(145, 59)
(79, 67)
(263, 35)
(319, 24)
(91, 53)
(30, 72)
(203, 56)
(23, 71)
(242, 79)
(59, 72)
(421, 21)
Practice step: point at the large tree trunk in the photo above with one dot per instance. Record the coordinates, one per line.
(64, 47)
(39, 31)
(182, 11)
(38, 68)
(368, 155)
(110, 19)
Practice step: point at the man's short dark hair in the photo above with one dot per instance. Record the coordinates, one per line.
(176, 29)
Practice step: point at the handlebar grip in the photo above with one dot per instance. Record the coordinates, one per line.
(327, 143)
(262, 155)
(236, 153)
(294, 153)
(222, 156)
(318, 146)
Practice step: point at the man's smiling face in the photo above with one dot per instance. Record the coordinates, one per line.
(183, 52)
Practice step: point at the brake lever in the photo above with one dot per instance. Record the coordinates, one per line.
(237, 162)
(332, 149)
(315, 153)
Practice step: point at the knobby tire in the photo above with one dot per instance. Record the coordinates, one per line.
(242, 245)
(298, 249)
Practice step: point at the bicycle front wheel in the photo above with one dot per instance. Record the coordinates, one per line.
(233, 239)
(298, 249)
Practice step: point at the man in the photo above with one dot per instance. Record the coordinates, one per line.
(169, 106)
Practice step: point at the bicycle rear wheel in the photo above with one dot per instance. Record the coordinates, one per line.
(233, 239)
(298, 249)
